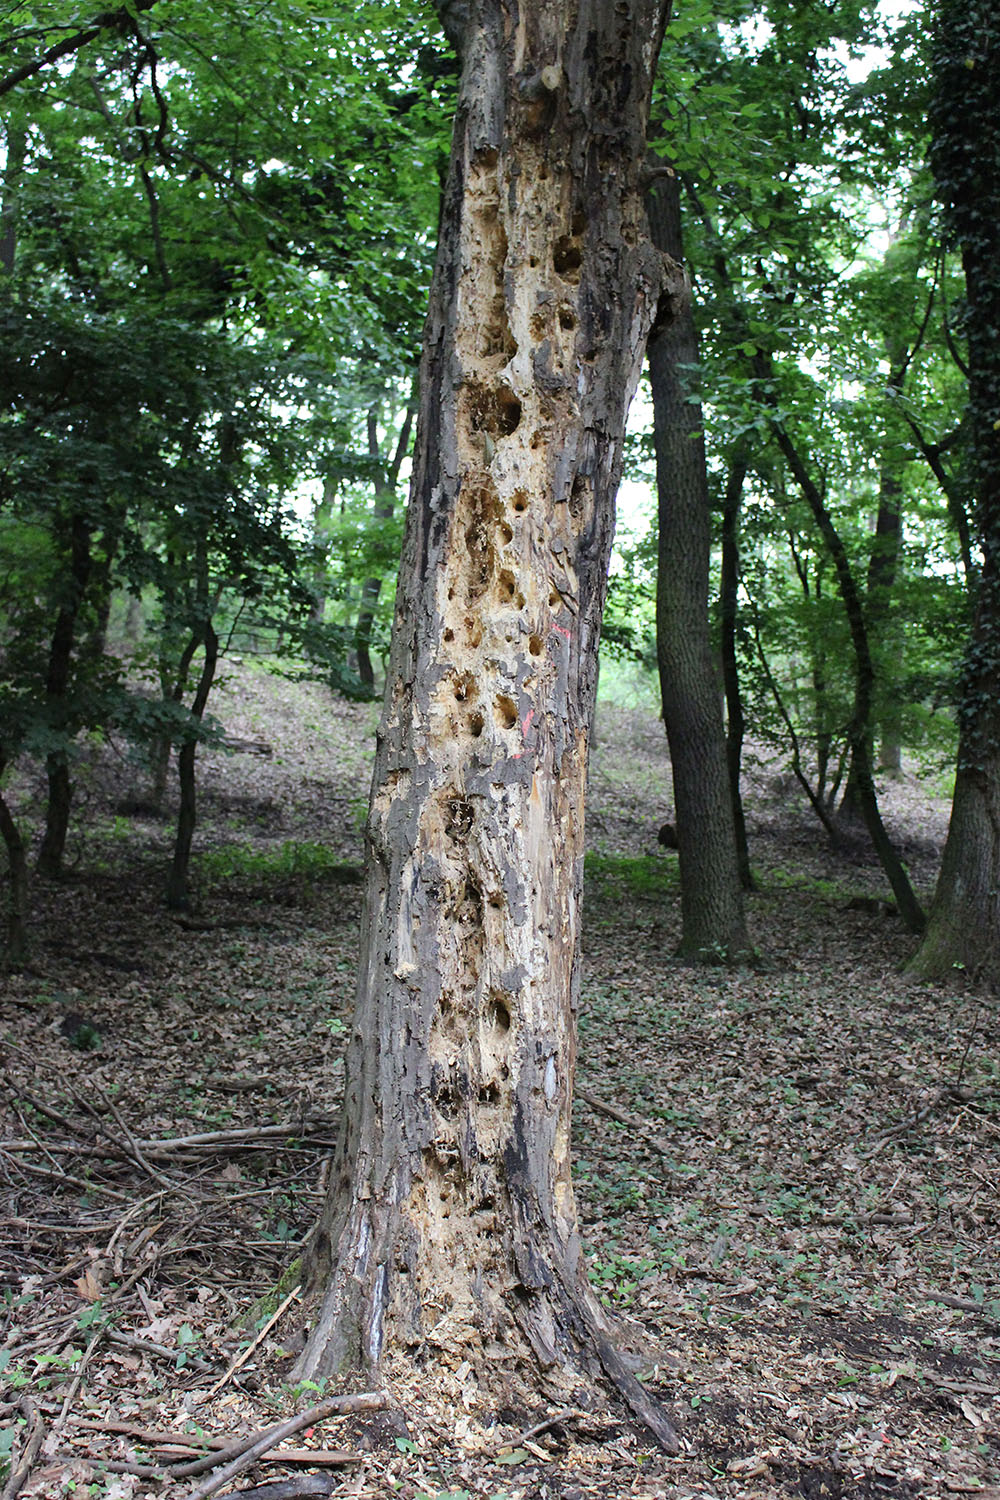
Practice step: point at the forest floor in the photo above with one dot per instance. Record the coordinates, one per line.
(788, 1175)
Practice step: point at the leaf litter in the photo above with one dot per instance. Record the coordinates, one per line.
(786, 1176)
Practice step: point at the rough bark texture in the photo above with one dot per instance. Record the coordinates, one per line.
(964, 925)
(713, 924)
(450, 1230)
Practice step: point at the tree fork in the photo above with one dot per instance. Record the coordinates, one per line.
(450, 1226)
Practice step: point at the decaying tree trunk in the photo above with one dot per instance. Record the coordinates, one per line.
(450, 1230)
(713, 927)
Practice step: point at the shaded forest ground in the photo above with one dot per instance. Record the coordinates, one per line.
(788, 1176)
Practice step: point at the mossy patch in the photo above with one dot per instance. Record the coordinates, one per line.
(266, 1306)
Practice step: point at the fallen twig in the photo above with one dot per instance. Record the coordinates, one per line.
(88, 1185)
(241, 1359)
(159, 1439)
(77, 1380)
(134, 1148)
(564, 1414)
(169, 1144)
(177, 1457)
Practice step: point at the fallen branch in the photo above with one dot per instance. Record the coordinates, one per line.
(250, 1449)
(34, 1433)
(134, 1148)
(77, 1380)
(34, 1170)
(300, 1487)
(179, 1453)
(166, 1146)
(149, 1346)
(634, 1122)
(963, 1304)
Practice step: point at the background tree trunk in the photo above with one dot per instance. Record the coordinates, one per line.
(386, 480)
(729, 611)
(60, 799)
(16, 953)
(16, 142)
(451, 1219)
(178, 893)
(713, 924)
(964, 926)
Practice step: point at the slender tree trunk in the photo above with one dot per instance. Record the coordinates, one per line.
(964, 926)
(713, 924)
(178, 894)
(889, 639)
(883, 565)
(16, 954)
(906, 900)
(386, 481)
(60, 799)
(16, 142)
(451, 1222)
(321, 531)
(729, 610)
(159, 758)
(955, 497)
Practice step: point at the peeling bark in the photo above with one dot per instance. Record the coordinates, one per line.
(450, 1230)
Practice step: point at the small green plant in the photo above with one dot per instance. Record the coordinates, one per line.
(8, 1437)
(91, 1315)
(186, 1336)
(618, 1277)
(308, 1388)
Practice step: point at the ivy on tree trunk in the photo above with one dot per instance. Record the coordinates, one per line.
(963, 930)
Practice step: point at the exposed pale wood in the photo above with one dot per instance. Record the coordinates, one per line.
(451, 1221)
